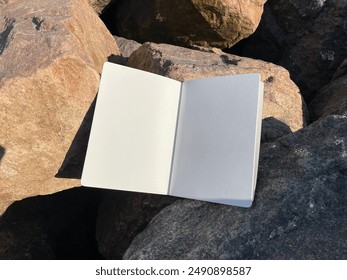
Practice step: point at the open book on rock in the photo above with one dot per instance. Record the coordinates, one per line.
(196, 139)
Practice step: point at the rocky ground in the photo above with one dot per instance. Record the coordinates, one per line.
(51, 54)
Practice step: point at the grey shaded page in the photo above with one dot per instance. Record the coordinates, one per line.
(217, 140)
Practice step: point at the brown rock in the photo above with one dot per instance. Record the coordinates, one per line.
(51, 54)
(282, 99)
(218, 23)
(100, 5)
(330, 100)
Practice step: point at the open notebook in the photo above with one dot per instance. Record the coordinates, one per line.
(196, 139)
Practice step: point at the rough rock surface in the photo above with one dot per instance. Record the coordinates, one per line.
(126, 48)
(309, 38)
(51, 54)
(100, 5)
(218, 23)
(123, 215)
(56, 226)
(282, 99)
(272, 129)
(299, 210)
(330, 100)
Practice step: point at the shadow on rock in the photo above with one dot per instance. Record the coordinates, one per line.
(72, 165)
(58, 226)
(2, 152)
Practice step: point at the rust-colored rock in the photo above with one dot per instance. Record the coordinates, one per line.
(51, 54)
(217, 23)
(282, 99)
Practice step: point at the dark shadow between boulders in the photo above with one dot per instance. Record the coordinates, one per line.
(72, 165)
(2, 152)
(118, 59)
(56, 226)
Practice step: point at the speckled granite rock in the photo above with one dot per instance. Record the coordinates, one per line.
(282, 99)
(51, 54)
(218, 23)
(330, 100)
(308, 38)
(100, 5)
(299, 210)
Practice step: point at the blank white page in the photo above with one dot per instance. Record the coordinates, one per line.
(132, 136)
(216, 149)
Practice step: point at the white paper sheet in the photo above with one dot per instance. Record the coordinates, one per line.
(132, 136)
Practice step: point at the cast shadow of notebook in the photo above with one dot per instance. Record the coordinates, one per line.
(196, 139)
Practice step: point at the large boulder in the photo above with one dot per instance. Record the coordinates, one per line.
(218, 23)
(282, 99)
(299, 210)
(309, 38)
(51, 55)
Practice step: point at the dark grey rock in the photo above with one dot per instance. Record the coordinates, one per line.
(308, 38)
(330, 100)
(272, 129)
(299, 210)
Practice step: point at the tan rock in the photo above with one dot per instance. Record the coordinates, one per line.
(217, 23)
(100, 5)
(51, 54)
(282, 99)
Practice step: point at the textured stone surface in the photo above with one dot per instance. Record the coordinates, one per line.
(272, 129)
(218, 23)
(100, 5)
(309, 38)
(330, 100)
(126, 46)
(299, 210)
(282, 99)
(121, 216)
(56, 226)
(51, 54)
